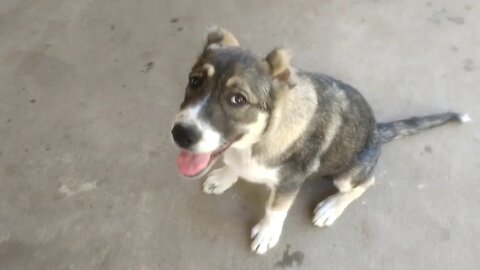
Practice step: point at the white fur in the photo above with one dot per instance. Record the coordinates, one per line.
(244, 165)
(219, 180)
(211, 139)
(332, 207)
(267, 232)
(465, 118)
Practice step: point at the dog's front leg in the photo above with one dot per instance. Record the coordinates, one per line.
(220, 180)
(267, 232)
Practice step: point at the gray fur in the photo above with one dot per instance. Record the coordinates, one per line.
(396, 129)
(339, 138)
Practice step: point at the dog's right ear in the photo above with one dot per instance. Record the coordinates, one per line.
(219, 37)
(277, 64)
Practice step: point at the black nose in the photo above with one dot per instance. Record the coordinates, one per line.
(185, 135)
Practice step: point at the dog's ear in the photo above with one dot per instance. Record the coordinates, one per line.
(219, 37)
(277, 64)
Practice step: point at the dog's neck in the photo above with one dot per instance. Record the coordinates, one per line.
(292, 112)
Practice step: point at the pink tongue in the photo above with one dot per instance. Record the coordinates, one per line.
(190, 164)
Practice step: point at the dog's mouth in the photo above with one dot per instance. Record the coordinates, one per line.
(195, 164)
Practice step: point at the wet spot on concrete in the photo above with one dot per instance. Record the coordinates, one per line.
(148, 67)
(43, 70)
(436, 18)
(33, 100)
(468, 65)
(11, 170)
(428, 148)
(288, 259)
(15, 254)
(179, 29)
(152, 154)
(112, 27)
(444, 235)
(174, 20)
(366, 231)
(456, 20)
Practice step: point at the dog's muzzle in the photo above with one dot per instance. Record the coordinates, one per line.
(185, 136)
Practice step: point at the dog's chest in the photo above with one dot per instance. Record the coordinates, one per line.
(248, 168)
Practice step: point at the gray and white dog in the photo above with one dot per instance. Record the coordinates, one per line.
(277, 125)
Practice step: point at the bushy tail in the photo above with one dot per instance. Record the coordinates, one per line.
(392, 130)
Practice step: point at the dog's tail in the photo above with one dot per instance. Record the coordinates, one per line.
(396, 129)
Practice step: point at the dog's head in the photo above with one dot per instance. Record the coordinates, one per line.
(228, 101)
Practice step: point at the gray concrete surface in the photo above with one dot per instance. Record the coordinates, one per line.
(87, 169)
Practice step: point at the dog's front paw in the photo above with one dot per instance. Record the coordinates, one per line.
(266, 235)
(219, 180)
(328, 211)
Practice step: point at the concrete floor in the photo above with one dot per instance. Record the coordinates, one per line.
(87, 168)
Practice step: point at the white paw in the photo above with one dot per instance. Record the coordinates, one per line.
(219, 180)
(266, 235)
(328, 211)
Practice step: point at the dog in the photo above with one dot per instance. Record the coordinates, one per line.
(276, 125)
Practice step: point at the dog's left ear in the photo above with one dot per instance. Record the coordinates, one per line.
(277, 64)
(219, 37)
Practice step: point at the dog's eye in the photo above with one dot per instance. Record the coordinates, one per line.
(194, 82)
(237, 99)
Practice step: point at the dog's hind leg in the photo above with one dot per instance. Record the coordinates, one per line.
(350, 184)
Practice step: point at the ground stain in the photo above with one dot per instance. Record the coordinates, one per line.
(428, 148)
(43, 70)
(444, 235)
(148, 67)
(179, 29)
(366, 231)
(152, 154)
(454, 48)
(289, 259)
(33, 100)
(11, 170)
(456, 20)
(468, 65)
(174, 20)
(112, 27)
(15, 254)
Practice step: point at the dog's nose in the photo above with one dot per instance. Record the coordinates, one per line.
(185, 135)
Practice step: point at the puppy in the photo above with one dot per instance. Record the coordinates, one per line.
(277, 125)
